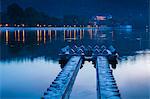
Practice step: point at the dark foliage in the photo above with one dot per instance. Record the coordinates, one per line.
(30, 16)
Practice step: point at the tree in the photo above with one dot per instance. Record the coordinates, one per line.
(31, 16)
(70, 20)
(15, 13)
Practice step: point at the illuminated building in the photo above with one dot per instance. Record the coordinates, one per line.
(101, 20)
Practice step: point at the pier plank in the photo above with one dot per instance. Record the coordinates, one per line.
(61, 87)
(106, 84)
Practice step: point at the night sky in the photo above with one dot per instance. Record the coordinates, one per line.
(118, 8)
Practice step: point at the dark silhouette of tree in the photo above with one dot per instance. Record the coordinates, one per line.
(55, 21)
(4, 18)
(30, 16)
(83, 20)
(70, 19)
(15, 13)
(75, 20)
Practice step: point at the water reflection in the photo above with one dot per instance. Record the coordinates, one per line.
(15, 34)
(27, 79)
(7, 36)
(25, 41)
(50, 34)
(45, 36)
(23, 36)
(20, 49)
(73, 34)
(18, 35)
(83, 86)
(132, 76)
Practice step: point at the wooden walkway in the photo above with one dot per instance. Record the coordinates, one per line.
(73, 58)
(106, 85)
(61, 87)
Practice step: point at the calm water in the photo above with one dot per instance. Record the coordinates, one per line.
(85, 84)
(29, 61)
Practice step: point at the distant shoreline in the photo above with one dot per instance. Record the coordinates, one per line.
(63, 28)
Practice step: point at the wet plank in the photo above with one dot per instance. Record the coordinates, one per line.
(61, 87)
(106, 84)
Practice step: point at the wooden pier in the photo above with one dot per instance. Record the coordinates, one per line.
(72, 59)
(106, 85)
(61, 87)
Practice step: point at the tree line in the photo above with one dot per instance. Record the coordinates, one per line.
(30, 16)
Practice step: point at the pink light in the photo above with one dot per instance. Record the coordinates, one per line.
(101, 17)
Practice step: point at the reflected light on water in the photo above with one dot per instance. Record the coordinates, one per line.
(15, 35)
(40, 36)
(18, 35)
(70, 34)
(7, 36)
(50, 34)
(83, 86)
(23, 36)
(74, 34)
(132, 77)
(44, 36)
(27, 79)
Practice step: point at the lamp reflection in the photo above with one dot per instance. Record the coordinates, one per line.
(74, 34)
(18, 35)
(80, 33)
(38, 37)
(70, 34)
(15, 35)
(7, 36)
(44, 36)
(50, 34)
(23, 36)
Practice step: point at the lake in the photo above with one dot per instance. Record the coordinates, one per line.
(29, 61)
